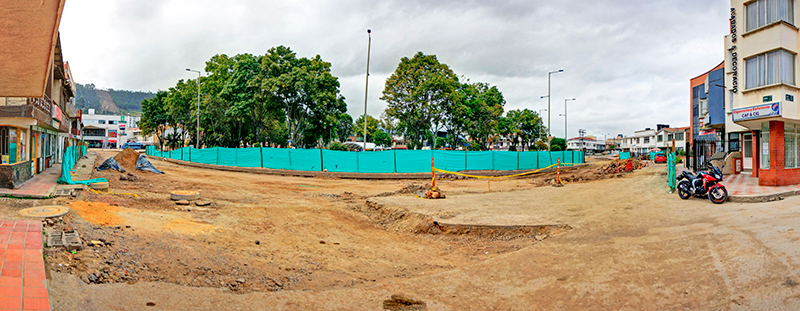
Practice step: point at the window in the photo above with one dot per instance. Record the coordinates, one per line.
(12, 144)
(790, 146)
(770, 68)
(101, 121)
(733, 141)
(670, 137)
(660, 138)
(678, 136)
(112, 122)
(647, 140)
(764, 12)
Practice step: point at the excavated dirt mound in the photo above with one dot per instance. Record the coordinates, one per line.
(127, 159)
(403, 303)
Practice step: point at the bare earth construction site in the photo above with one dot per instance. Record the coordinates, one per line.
(293, 243)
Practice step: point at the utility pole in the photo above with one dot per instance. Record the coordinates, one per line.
(366, 87)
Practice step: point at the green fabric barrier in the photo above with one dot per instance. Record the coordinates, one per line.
(453, 161)
(205, 156)
(276, 158)
(68, 162)
(227, 156)
(305, 160)
(528, 160)
(413, 161)
(545, 159)
(624, 155)
(479, 160)
(248, 157)
(341, 161)
(375, 162)
(505, 160)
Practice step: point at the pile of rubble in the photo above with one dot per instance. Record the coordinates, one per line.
(624, 166)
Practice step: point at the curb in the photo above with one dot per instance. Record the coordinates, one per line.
(269, 171)
(762, 198)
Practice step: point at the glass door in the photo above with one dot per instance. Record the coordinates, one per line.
(747, 155)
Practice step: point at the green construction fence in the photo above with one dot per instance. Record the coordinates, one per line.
(389, 161)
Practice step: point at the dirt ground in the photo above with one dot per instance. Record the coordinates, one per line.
(291, 243)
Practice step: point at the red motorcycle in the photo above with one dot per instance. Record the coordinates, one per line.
(706, 183)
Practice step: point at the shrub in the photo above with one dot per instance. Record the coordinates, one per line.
(338, 146)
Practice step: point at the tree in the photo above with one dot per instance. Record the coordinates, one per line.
(305, 89)
(382, 138)
(388, 124)
(344, 126)
(372, 126)
(476, 111)
(155, 117)
(558, 144)
(417, 94)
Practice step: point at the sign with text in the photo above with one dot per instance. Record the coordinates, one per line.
(755, 112)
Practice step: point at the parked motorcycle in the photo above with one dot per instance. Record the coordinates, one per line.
(706, 183)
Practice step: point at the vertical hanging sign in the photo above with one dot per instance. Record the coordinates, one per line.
(734, 56)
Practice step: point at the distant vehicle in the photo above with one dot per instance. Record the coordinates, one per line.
(133, 145)
(660, 158)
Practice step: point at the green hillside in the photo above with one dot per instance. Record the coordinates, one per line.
(109, 101)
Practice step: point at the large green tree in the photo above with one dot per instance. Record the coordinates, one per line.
(417, 94)
(476, 111)
(373, 125)
(154, 116)
(305, 89)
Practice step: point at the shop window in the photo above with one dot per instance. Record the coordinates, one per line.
(790, 146)
(733, 142)
(764, 12)
(770, 68)
(764, 148)
(12, 144)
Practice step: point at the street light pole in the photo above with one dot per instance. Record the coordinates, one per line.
(366, 87)
(197, 138)
(566, 136)
(548, 104)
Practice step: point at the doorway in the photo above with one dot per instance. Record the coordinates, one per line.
(747, 154)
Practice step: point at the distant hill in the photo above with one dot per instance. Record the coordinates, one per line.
(109, 101)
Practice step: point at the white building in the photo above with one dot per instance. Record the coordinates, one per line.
(588, 144)
(108, 131)
(641, 142)
(665, 136)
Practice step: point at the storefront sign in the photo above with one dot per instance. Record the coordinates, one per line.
(755, 112)
(734, 57)
(57, 113)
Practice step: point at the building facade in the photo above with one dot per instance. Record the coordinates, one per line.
(761, 51)
(110, 131)
(587, 144)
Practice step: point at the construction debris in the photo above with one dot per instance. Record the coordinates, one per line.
(69, 240)
(127, 158)
(143, 164)
(110, 163)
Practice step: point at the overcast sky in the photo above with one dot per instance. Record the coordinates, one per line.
(628, 62)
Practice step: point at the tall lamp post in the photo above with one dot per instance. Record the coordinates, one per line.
(366, 87)
(565, 119)
(548, 104)
(197, 138)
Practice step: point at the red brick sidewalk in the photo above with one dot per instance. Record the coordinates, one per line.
(40, 186)
(22, 276)
(747, 185)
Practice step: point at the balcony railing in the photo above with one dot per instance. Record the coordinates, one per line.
(43, 104)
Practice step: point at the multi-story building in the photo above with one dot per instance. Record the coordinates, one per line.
(641, 142)
(108, 131)
(588, 144)
(36, 91)
(761, 53)
(665, 136)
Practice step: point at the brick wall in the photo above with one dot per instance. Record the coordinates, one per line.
(777, 175)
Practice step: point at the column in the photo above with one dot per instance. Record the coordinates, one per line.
(756, 152)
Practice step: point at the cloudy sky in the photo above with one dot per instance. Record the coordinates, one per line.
(627, 62)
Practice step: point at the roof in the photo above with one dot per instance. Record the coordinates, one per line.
(679, 129)
(28, 37)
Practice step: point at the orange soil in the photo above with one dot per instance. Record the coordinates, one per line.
(97, 212)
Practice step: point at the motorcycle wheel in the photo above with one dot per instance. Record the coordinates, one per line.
(682, 193)
(718, 195)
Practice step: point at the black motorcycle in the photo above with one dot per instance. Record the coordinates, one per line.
(704, 184)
